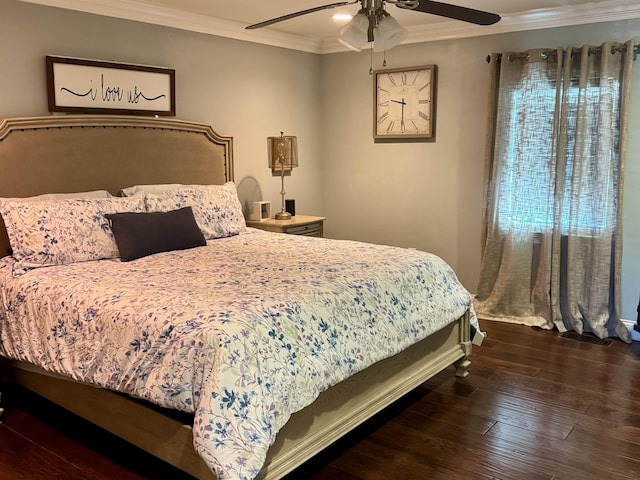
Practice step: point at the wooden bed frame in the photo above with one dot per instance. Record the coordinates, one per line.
(80, 153)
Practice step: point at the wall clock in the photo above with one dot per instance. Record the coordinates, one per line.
(404, 102)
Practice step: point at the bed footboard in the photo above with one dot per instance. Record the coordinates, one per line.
(342, 408)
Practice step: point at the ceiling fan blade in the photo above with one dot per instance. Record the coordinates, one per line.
(455, 11)
(298, 14)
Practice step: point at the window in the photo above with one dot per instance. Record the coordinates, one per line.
(526, 186)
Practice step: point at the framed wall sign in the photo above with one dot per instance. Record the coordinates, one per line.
(92, 86)
(404, 103)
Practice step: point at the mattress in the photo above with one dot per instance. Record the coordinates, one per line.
(242, 332)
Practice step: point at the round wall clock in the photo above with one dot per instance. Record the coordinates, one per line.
(403, 102)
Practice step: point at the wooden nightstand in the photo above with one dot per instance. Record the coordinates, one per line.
(298, 225)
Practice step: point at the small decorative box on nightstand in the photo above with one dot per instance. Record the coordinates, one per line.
(297, 225)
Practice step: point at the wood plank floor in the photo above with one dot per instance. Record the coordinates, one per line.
(535, 406)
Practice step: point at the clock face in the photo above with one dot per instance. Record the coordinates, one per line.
(404, 103)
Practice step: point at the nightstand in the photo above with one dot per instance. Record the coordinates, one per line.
(297, 225)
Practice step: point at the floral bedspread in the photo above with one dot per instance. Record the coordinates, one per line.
(242, 332)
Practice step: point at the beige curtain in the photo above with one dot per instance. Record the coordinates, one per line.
(554, 177)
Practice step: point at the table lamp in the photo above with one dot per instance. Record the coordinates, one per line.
(283, 157)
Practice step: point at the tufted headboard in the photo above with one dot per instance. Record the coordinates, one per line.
(75, 153)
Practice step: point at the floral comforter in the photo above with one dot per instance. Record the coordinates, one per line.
(242, 332)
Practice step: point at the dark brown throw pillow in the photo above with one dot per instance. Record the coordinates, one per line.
(140, 234)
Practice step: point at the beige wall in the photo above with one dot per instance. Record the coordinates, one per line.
(422, 195)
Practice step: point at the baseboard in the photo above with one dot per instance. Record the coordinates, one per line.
(635, 335)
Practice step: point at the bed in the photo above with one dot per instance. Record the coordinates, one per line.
(242, 358)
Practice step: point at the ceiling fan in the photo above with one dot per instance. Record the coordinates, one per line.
(374, 24)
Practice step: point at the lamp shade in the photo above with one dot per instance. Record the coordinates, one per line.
(354, 34)
(388, 34)
(283, 153)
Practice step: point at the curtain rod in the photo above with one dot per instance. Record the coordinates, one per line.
(545, 53)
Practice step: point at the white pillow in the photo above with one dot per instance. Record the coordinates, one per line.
(58, 232)
(216, 208)
(159, 188)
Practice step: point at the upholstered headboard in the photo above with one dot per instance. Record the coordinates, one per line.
(75, 153)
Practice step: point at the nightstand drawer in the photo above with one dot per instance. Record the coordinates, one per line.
(311, 230)
(297, 225)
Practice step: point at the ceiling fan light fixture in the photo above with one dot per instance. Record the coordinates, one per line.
(388, 34)
(372, 24)
(354, 34)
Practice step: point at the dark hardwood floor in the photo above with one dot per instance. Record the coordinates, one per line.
(535, 406)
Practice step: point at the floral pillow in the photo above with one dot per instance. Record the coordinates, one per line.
(216, 208)
(58, 232)
(153, 188)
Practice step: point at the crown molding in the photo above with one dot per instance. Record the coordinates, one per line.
(594, 12)
(141, 12)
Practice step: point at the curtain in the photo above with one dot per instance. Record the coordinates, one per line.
(554, 164)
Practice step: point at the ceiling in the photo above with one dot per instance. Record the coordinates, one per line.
(317, 32)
